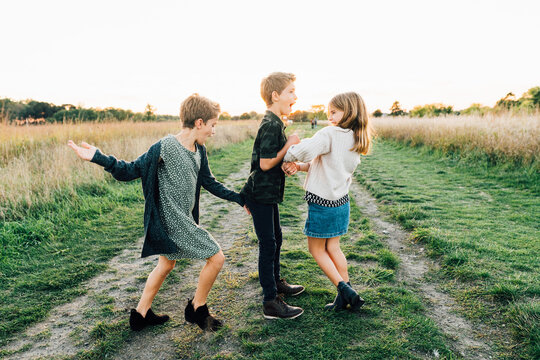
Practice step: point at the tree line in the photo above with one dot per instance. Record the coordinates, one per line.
(36, 112)
(528, 102)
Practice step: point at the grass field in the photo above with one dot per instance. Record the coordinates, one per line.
(478, 221)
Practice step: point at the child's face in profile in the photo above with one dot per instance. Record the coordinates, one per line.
(334, 115)
(207, 130)
(286, 100)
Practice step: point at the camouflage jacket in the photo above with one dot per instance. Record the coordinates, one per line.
(267, 187)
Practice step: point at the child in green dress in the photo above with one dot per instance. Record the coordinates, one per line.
(172, 172)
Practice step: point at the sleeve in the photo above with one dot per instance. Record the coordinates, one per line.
(308, 149)
(269, 141)
(121, 170)
(209, 182)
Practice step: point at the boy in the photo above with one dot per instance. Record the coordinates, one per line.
(264, 188)
(172, 172)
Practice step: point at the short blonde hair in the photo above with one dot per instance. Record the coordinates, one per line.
(276, 81)
(198, 107)
(355, 117)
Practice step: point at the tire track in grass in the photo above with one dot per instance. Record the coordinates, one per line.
(414, 266)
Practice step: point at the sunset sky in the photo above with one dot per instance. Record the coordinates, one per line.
(127, 54)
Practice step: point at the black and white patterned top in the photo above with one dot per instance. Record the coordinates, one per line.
(177, 181)
(316, 199)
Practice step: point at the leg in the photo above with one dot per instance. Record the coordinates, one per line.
(317, 248)
(337, 256)
(278, 235)
(207, 277)
(196, 310)
(263, 221)
(153, 283)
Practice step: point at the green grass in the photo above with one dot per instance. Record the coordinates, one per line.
(392, 324)
(480, 222)
(45, 257)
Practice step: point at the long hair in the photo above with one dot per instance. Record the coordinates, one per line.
(355, 117)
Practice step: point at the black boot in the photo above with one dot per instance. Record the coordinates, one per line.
(136, 321)
(338, 304)
(201, 317)
(349, 295)
(153, 319)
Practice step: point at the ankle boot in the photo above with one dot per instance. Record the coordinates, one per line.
(153, 319)
(201, 317)
(136, 321)
(361, 302)
(349, 295)
(338, 304)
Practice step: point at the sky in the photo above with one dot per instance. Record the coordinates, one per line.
(128, 54)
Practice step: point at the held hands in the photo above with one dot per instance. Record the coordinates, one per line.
(289, 168)
(85, 151)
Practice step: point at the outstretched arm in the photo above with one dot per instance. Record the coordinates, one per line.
(85, 151)
(119, 169)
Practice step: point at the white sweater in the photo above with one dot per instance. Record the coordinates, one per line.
(332, 161)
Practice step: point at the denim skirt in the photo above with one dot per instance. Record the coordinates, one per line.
(327, 222)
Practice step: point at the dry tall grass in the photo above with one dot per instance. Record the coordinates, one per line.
(503, 137)
(35, 162)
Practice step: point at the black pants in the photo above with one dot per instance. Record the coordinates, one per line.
(268, 230)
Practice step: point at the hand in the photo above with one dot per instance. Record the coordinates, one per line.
(293, 139)
(289, 168)
(247, 210)
(85, 151)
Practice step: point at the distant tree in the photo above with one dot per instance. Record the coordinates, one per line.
(476, 109)
(299, 115)
(149, 113)
(377, 113)
(507, 102)
(396, 109)
(317, 111)
(224, 116)
(531, 99)
(252, 114)
(245, 116)
(431, 110)
(38, 109)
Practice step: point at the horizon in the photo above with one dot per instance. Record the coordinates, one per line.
(127, 55)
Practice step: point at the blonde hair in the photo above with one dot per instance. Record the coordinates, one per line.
(355, 117)
(276, 81)
(198, 107)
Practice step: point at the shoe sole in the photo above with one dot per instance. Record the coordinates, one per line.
(269, 317)
(295, 294)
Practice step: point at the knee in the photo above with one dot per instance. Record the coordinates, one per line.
(165, 267)
(217, 260)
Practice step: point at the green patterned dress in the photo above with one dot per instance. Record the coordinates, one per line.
(177, 176)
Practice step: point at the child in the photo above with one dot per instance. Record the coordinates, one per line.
(330, 158)
(172, 172)
(264, 190)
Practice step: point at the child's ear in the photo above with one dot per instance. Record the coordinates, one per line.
(275, 96)
(198, 123)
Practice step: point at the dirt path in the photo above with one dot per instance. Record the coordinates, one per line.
(66, 330)
(414, 266)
